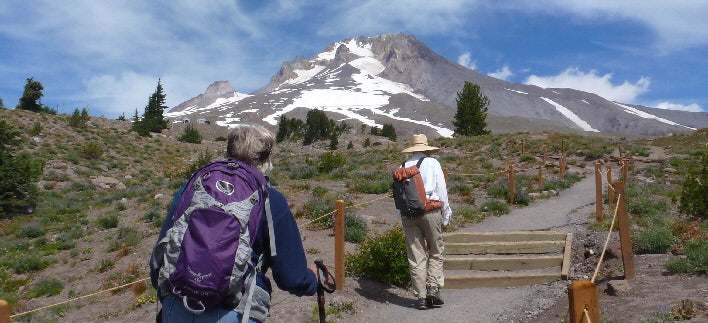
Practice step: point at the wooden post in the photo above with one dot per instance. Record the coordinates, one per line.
(540, 178)
(445, 171)
(625, 235)
(511, 184)
(625, 176)
(4, 311)
(561, 164)
(598, 193)
(339, 244)
(583, 295)
(562, 146)
(610, 192)
(523, 147)
(545, 153)
(619, 147)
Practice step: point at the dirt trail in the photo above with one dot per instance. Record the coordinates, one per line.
(565, 212)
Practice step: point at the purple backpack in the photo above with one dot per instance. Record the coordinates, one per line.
(207, 251)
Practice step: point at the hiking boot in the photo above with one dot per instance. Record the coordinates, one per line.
(421, 304)
(433, 299)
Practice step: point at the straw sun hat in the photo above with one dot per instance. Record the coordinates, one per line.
(420, 143)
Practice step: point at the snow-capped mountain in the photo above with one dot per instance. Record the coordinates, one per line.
(397, 79)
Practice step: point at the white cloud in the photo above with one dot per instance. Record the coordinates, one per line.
(677, 24)
(503, 74)
(674, 106)
(124, 93)
(466, 61)
(592, 82)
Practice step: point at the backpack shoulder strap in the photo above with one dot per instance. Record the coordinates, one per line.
(269, 219)
(420, 161)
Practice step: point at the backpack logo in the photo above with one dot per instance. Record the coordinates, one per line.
(198, 277)
(225, 187)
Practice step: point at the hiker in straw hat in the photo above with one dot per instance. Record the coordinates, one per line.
(424, 239)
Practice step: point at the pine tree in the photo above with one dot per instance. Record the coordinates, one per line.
(31, 96)
(472, 105)
(389, 131)
(153, 119)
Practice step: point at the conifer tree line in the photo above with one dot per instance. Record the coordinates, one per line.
(317, 126)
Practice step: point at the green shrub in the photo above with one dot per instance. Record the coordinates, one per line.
(319, 191)
(495, 207)
(191, 135)
(499, 190)
(36, 129)
(527, 158)
(220, 138)
(696, 260)
(127, 237)
(354, 229)
(316, 209)
(91, 150)
(382, 257)
(28, 262)
(105, 265)
(31, 230)
(304, 172)
(329, 161)
(49, 287)
(469, 214)
(202, 160)
(374, 187)
(108, 222)
(694, 192)
(654, 240)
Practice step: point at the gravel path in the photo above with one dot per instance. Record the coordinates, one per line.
(566, 212)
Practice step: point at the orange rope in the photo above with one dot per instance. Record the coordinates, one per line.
(78, 298)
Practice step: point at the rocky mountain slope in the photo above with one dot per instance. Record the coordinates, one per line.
(397, 79)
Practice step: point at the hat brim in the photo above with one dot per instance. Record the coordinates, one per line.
(418, 148)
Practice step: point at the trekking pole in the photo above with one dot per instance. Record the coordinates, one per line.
(327, 285)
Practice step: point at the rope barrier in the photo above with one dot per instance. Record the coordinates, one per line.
(607, 181)
(348, 207)
(604, 248)
(586, 313)
(78, 298)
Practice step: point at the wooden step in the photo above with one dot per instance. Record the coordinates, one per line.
(511, 236)
(524, 247)
(507, 280)
(507, 263)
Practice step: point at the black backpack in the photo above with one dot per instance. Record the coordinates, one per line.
(409, 192)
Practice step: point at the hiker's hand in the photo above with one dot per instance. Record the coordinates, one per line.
(313, 267)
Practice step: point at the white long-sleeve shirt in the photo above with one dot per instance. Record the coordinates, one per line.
(433, 181)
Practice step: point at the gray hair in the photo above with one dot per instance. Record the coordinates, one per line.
(251, 144)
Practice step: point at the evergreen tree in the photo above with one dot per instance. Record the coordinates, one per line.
(191, 135)
(472, 105)
(31, 96)
(318, 126)
(18, 174)
(282, 129)
(389, 131)
(2, 105)
(153, 119)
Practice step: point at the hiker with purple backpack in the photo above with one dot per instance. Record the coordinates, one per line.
(423, 225)
(226, 227)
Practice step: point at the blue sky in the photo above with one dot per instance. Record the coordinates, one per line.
(108, 55)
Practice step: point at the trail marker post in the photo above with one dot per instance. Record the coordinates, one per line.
(540, 178)
(610, 191)
(512, 184)
(598, 193)
(545, 153)
(583, 295)
(4, 311)
(625, 235)
(339, 244)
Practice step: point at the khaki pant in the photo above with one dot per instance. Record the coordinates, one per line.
(424, 242)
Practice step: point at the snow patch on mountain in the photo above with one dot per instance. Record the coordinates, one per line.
(521, 92)
(645, 115)
(570, 115)
(222, 103)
